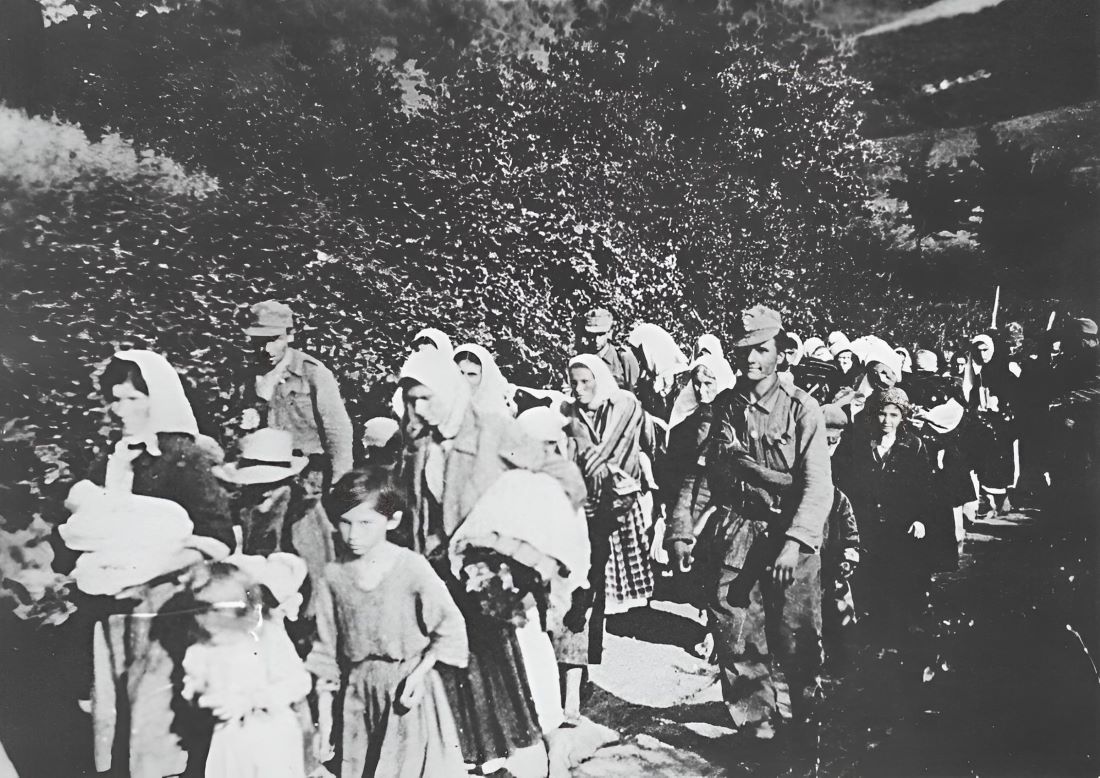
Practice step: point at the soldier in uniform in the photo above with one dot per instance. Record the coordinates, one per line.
(294, 392)
(595, 338)
(770, 471)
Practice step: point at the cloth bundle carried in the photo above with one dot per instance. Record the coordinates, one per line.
(528, 517)
(129, 539)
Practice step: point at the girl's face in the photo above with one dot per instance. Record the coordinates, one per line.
(364, 529)
(705, 384)
(844, 361)
(471, 371)
(889, 417)
(132, 408)
(583, 383)
(231, 612)
(424, 406)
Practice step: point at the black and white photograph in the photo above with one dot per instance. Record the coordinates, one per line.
(549, 388)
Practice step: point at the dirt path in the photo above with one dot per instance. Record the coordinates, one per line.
(1008, 692)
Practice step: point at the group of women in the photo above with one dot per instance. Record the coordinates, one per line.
(475, 563)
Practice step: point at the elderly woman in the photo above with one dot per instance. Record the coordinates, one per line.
(489, 386)
(884, 470)
(458, 451)
(612, 433)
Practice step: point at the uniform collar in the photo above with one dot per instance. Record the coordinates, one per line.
(770, 398)
(296, 363)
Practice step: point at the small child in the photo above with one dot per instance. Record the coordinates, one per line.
(246, 672)
(384, 619)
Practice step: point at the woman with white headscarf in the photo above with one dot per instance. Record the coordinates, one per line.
(991, 391)
(612, 433)
(682, 474)
(159, 454)
(663, 365)
(489, 386)
(459, 450)
(708, 344)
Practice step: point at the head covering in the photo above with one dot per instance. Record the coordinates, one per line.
(493, 391)
(605, 381)
(379, 431)
(927, 360)
(441, 341)
(169, 409)
(795, 342)
(906, 359)
(839, 343)
(438, 372)
(598, 321)
(663, 357)
(758, 325)
(873, 349)
(883, 397)
(266, 457)
(983, 338)
(546, 425)
(811, 345)
(281, 573)
(708, 344)
(270, 318)
(1083, 327)
(688, 401)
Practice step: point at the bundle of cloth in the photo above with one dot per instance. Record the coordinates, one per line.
(527, 517)
(129, 539)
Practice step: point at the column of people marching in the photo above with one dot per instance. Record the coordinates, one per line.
(432, 609)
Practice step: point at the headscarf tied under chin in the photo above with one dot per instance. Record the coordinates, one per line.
(450, 390)
(441, 341)
(688, 401)
(493, 391)
(605, 385)
(169, 411)
(796, 342)
(664, 359)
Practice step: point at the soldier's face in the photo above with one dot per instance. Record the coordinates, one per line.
(593, 342)
(270, 351)
(758, 362)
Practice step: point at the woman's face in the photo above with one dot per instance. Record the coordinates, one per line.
(471, 371)
(583, 383)
(881, 376)
(705, 384)
(132, 408)
(889, 417)
(424, 406)
(844, 361)
(363, 529)
(983, 352)
(424, 344)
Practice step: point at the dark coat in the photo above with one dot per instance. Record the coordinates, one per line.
(181, 474)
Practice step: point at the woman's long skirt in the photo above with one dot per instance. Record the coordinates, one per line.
(629, 575)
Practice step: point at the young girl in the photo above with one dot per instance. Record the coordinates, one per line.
(384, 620)
(246, 672)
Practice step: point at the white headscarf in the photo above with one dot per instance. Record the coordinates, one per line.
(449, 387)
(169, 411)
(663, 357)
(545, 425)
(604, 380)
(688, 401)
(441, 341)
(708, 344)
(493, 391)
(797, 341)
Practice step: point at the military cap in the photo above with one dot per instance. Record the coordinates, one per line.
(758, 325)
(270, 318)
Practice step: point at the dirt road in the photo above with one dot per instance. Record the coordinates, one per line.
(1008, 692)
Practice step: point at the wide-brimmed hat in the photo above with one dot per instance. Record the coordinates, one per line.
(267, 457)
(758, 325)
(269, 319)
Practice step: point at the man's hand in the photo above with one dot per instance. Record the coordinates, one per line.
(786, 562)
(681, 555)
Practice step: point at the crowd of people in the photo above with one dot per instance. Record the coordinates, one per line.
(431, 607)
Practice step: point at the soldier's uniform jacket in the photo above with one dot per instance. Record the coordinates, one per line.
(307, 404)
(756, 442)
(624, 366)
